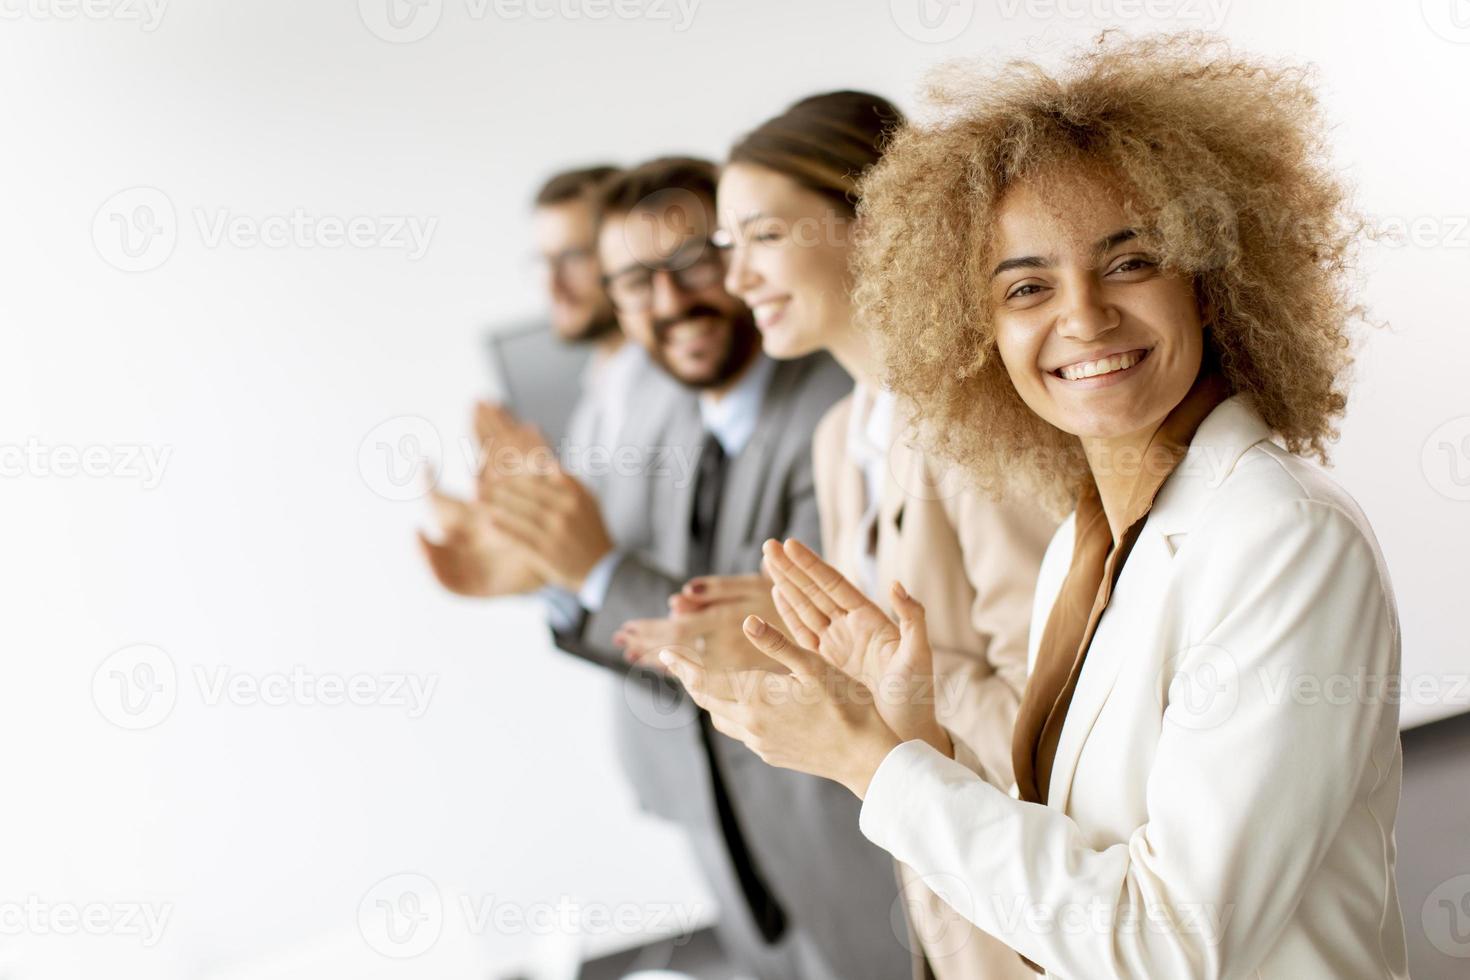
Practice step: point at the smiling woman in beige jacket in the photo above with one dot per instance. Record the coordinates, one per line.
(786, 202)
(889, 511)
(1126, 287)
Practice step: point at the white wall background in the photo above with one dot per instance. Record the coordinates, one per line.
(270, 543)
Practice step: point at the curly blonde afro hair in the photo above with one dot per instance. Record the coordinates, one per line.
(1222, 163)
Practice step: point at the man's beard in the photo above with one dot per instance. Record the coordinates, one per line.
(603, 324)
(744, 337)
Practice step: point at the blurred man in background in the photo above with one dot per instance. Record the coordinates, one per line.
(471, 558)
(723, 465)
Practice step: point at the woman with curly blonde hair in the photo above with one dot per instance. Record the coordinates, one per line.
(1125, 288)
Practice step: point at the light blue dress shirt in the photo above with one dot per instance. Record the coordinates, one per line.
(732, 420)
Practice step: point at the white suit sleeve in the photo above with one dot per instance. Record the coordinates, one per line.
(1241, 806)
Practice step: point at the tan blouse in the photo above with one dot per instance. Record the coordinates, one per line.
(1088, 586)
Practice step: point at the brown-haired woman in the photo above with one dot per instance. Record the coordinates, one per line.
(1125, 289)
(787, 203)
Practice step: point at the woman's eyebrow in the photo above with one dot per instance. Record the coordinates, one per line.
(1023, 262)
(749, 217)
(1114, 240)
(1103, 246)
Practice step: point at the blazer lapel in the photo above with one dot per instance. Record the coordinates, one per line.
(903, 478)
(850, 493)
(745, 481)
(1221, 439)
(676, 505)
(1146, 566)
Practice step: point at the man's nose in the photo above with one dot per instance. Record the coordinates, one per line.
(669, 298)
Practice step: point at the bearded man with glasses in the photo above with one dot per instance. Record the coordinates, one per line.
(725, 466)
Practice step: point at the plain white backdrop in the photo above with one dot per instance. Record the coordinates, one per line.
(249, 252)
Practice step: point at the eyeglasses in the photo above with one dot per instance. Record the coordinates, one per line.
(574, 261)
(694, 268)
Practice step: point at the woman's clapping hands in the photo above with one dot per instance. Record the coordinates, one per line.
(858, 684)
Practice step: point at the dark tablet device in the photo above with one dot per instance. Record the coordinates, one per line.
(536, 375)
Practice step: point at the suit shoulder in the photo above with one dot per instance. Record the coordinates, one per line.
(1268, 482)
(1278, 513)
(653, 400)
(810, 386)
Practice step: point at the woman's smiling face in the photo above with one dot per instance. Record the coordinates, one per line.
(789, 255)
(1097, 339)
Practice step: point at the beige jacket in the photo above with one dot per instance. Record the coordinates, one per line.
(973, 563)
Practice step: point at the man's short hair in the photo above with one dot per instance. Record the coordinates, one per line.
(623, 193)
(571, 185)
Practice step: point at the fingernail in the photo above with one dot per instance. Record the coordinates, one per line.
(697, 588)
(754, 624)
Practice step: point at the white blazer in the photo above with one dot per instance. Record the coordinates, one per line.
(1223, 797)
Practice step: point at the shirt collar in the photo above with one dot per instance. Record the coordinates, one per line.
(602, 366)
(732, 419)
(1223, 437)
(869, 423)
(1166, 449)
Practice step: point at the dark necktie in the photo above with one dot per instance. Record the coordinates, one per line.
(708, 486)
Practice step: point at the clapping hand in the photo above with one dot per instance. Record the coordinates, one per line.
(829, 615)
(508, 446)
(471, 558)
(555, 519)
(706, 616)
(814, 719)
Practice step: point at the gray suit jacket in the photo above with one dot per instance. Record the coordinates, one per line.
(835, 887)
